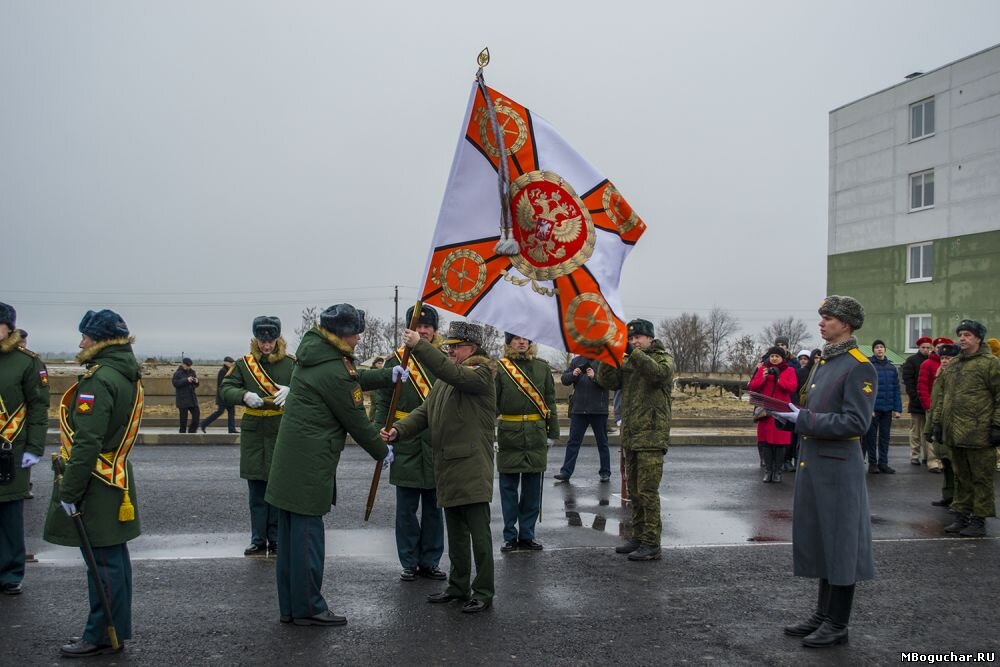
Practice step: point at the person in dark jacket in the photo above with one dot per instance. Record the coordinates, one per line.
(831, 520)
(588, 406)
(888, 405)
(185, 383)
(920, 450)
(220, 404)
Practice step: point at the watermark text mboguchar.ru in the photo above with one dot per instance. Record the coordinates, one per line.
(951, 656)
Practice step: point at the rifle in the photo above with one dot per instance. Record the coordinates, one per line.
(390, 418)
(59, 466)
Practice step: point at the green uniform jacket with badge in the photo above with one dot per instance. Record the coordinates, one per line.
(23, 380)
(461, 416)
(257, 432)
(413, 465)
(112, 371)
(942, 450)
(646, 379)
(522, 446)
(970, 399)
(324, 405)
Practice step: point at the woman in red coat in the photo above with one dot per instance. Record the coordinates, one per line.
(774, 378)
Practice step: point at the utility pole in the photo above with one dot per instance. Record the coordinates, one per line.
(395, 319)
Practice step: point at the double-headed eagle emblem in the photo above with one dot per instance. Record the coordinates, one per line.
(548, 223)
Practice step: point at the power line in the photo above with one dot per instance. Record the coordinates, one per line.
(207, 292)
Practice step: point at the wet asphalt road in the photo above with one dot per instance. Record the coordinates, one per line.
(720, 594)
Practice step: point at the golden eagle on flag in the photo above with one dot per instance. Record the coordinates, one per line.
(550, 270)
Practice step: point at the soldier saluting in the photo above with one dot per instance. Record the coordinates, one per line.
(260, 381)
(98, 422)
(24, 415)
(831, 522)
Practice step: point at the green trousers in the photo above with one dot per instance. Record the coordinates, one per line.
(974, 469)
(644, 470)
(115, 568)
(469, 528)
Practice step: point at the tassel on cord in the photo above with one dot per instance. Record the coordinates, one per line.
(126, 511)
(507, 245)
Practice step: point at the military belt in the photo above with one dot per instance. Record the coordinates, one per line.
(256, 412)
(401, 415)
(535, 417)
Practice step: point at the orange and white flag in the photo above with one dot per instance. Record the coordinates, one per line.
(572, 226)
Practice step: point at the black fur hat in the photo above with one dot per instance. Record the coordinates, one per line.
(427, 316)
(343, 319)
(103, 324)
(975, 328)
(8, 315)
(266, 327)
(641, 327)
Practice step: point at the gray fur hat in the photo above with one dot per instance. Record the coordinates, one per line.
(8, 315)
(977, 329)
(103, 325)
(847, 309)
(266, 327)
(343, 319)
(464, 332)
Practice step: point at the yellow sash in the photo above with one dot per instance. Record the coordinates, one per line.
(524, 383)
(110, 467)
(418, 376)
(267, 385)
(12, 425)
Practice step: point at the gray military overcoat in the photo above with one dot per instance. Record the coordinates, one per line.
(831, 522)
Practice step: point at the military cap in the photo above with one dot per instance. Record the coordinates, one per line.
(103, 324)
(343, 319)
(641, 327)
(942, 341)
(8, 315)
(977, 329)
(464, 332)
(266, 327)
(847, 309)
(428, 316)
(949, 350)
(508, 337)
(924, 339)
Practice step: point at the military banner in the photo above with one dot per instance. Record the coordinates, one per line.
(572, 227)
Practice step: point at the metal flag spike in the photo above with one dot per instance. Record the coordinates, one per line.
(484, 57)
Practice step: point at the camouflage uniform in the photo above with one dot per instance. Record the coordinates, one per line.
(645, 379)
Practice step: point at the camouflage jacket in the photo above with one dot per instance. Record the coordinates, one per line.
(646, 379)
(969, 402)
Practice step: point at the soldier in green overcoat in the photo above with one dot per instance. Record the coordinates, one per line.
(325, 404)
(527, 425)
(646, 378)
(419, 542)
(102, 415)
(24, 415)
(460, 413)
(260, 382)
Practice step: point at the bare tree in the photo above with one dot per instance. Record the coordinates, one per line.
(793, 328)
(743, 356)
(310, 317)
(493, 341)
(718, 328)
(686, 337)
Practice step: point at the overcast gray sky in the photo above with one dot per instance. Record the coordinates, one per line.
(193, 164)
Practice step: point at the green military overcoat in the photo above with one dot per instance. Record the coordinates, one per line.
(460, 414)
(108, 390)
(646, 379)
(325, 404)
(257, 433)
(522, 444)
(23, 380)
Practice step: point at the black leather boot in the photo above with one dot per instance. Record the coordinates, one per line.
(834, 629)
(810, 625)
(960, 523)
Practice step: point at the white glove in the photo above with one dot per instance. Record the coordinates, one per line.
(400, 374)
(790, 417)
(252, 400)
(279, 398)
(618, 423)
(389, 458)
(549, 442)
(28, 459)
(69, 508)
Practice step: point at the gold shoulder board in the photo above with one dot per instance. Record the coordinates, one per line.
(859, 355)
(90, 371)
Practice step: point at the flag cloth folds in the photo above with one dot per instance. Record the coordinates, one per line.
(573, 228)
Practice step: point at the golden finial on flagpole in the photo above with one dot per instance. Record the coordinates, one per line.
(484, 57)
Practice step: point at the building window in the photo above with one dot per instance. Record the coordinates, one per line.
(922, 119)
(917, 326)
(922, 190)
(920, 262)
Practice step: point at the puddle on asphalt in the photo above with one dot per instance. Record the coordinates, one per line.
(596, 522)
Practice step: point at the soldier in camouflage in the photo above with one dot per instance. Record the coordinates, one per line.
(645, 378)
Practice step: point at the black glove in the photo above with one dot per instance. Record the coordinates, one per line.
(995, 436)
(628, 348)
(772, 371)
(939, 433)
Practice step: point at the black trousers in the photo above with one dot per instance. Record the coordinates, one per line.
(195, 414)
(230, 417)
